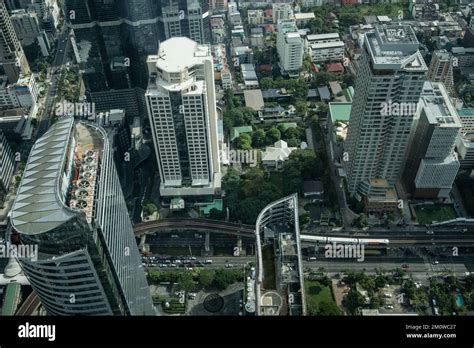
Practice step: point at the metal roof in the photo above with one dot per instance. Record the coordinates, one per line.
(37, 207)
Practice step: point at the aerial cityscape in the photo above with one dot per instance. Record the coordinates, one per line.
(236, 158)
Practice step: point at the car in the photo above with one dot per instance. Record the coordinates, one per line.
(436, 262)
(229, 265)
(312, 258)
(387, 295)
(430, 232)
(405, 265)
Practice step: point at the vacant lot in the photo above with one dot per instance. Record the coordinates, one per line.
(427, 214)
(319, 300)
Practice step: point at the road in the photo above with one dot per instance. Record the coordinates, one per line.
(420, 268)
(347, 215)
(59, 61)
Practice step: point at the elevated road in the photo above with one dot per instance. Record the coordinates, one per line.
(198, 225)
(397, 238)
(30, 305)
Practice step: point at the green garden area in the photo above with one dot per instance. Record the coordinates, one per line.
(319, 299)
(268, 256)
(194, 280)
(429, 213)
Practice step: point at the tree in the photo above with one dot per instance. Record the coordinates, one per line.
(273, 135)
(322, 107)
(185, 280)
(266, 83)
(223, 278)
(206, 277)
(243, 142)
(328, 308)
(301, 108)
(354, 300)
(258, 138)
(149, 208)
(323, 77)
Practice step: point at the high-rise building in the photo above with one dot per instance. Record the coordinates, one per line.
(71, 205)
(389, 82)
(106, 30)
(188, 18)
(281, 11)
(7, 166)
(218, 5)
(28, 29)
(181, 105)
(12, 58)
(290, 48)
(441, 69)
(432, 165)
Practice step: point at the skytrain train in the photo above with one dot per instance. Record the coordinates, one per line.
(329, 240)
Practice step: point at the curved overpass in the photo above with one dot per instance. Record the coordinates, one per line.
(202, 225)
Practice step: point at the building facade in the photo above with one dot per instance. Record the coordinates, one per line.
(12, 58)
(388, 85)
(181, 106)
(325, 48)
(71, 205)
(7, 166)
(441, 69)
(432, 164)
(290, 48)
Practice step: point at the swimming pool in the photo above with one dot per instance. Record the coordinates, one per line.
(459, 301)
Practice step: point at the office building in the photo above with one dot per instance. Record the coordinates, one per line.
(188, 18)
(466, 115)
(71, 205)
(290, 48)
(441, 69)
(388, 85)
(7, 166)
(325, 48)
(432, 165)
(181, 106)
(12, 58)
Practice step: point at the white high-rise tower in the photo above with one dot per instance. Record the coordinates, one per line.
(388, 86)
(181, 105)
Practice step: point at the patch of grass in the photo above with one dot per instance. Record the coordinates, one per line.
(427, 214)
(319, 300)
(268, 255)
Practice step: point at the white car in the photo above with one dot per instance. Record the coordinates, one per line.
(435, 262)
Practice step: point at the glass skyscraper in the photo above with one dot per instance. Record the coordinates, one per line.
(71, 205)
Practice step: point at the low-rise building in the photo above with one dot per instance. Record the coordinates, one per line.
(275, 156)
(378, 196)
(325, 47)
(255, 17)
(302, 19)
